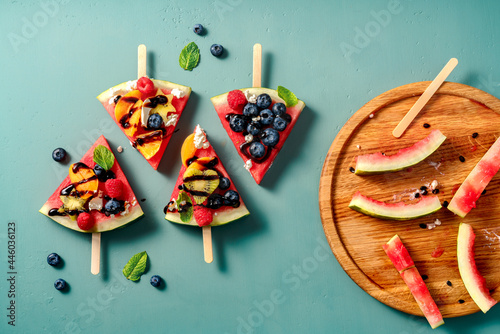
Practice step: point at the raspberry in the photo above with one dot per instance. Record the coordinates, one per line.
(114, 188)
(202, 215)
(236, 99)
(85, 221)
(146, 86)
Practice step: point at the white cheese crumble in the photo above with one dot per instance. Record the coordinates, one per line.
(177, 93)
(119, 149)
(256, 119)
(131, 85)
(248, 164)
(434, 184)
(248, 138)
(200, 139)
(112, 99)
(171, 119)
(95, 203)
(252, 98)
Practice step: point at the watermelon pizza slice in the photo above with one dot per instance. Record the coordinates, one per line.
(147, 111)
(95, 196)
(258, 121)
(204, 194)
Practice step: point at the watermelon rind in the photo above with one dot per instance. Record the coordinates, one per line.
(398, 254)
(473, 281)
(123, 88)
(394, 211)
(471, 189)
(219, 218)
(377, 163)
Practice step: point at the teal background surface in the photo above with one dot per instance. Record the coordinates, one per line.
(273, 271)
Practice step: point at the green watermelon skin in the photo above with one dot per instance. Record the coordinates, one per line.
(102, 223)
(258, 170)
(222, 215)
(166, 87)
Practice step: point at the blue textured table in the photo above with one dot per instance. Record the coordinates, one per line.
(273, 271)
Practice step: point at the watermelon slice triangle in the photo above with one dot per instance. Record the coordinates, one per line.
(91, 192)
(128, 103)
(243, 142)
(206, 174)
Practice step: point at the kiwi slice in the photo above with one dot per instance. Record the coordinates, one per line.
(200, 183)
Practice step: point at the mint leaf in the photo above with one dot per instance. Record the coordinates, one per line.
(289, 97)
(184, 206)
(189, 57)
(104, 157)
(136, 266)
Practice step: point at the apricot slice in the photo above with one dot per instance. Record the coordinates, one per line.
(128, 112)
(188, 150)
(149, 143)
(84, 179)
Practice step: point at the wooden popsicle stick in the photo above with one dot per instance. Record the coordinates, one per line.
(141, 61)
(424, 98)
(95, 262)
(207, 243)
(257, 65)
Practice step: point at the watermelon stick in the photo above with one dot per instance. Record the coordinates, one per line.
(424, 98)
(95, 262)
(207, 243)
(257, 65)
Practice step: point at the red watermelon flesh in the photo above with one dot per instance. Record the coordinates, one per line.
(102, 222)
(400, 257)
(221, 216)
(166, 87)
(258, 169)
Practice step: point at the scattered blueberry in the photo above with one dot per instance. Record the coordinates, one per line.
(237, 123)
(279, 124)
(266, 117)
(253, 128)
(251, 110)
(112, 207)
(216, 50)
(232, 198)
(155, 281)
(198, 29)
(224, 183)
(257, 150)
(279, 109)
(53, 259)
(215, 201)
(59, 154)
(155, 121)
(60, 284)
(264, 101)
(270, 137)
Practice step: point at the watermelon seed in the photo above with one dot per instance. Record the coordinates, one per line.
(484, 192)
(461, 301)
(461, 158)
(427, 125)
(423, 188)
(143, 200)
(435, 191)
(424, 277)
(351, 169)
(475, 134)
(448, 283)
(424, 192)
(417, 195)
(424, 226)
(445, 204)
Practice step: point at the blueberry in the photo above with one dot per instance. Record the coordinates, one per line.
(100, 173)
(110, 175)
(266, 117)
(112, 207)
(253, 128)
(59, 154)
(279, 124)
(155, 281)
(279, 109)
(215, 201)
(216, 50)
(237, 123)
(224, 183)
(251, 110)
(264, 101)
(53, 259)
(257, 150)
(270, 137)
(60, 284)
(155, 121)
(198, 29)
(232, 198)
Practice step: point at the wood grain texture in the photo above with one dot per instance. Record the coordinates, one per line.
(356, 240)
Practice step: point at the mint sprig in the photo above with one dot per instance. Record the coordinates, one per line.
(187, 212)
(136, 266)
(289, 97)
(189, 57)
(104, 157)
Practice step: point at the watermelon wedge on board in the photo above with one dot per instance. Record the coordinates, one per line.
(203, 184)
(132, 104)
(400, 257)
(473, 280)
(242, 142)
(469, 192)
(90, 191)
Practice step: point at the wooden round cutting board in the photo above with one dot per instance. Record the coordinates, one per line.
(457, 111)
